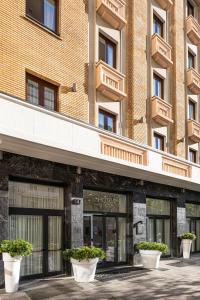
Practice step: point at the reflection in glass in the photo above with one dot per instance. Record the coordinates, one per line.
(111, 235)
(157, 207)
(31, 195)
(104, 202)
(159, 231)
(54, 243)
(198, 235)
(28, 228)
(98, 231)
(122, 240)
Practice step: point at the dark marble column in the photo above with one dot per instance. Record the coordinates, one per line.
(3, 217)
(76, 203)
(139, 221)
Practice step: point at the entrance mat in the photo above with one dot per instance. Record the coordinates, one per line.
(120, 273)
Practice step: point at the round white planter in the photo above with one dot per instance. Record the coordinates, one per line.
(84, 271)
(186, 244)
(150, 258)
(11, 272)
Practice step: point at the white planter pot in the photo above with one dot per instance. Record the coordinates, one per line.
(150, 258)
(84, 271)
(11, 272)
(186, 244)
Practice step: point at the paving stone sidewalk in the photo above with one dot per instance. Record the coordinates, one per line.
(174, 280)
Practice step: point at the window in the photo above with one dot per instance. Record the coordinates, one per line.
(159, 142)
(158, 86)
(107, 121)
(192, 110)
(107, 51)
(157, 25)
(40, 92)
(191, 60)
(43, 11)
(190, 9)
(192, 155)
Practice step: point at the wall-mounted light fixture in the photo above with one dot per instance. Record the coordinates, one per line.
(139, 227)
(182, 140)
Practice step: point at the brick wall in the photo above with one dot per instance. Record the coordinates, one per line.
(26, 46)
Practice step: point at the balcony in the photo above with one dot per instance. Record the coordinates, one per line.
(165, 4)
(123, 151)
(194, 131)
(161, 111)
(112, 12)
(193, 81)
(110, 82)
(176, 167)
(193, 30)
(161, 51)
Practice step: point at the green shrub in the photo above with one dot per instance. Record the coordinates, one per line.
(83, 253)
(16, 247)
(188, 236)
(152, 246)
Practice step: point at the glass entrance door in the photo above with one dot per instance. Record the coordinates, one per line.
(108, 233)
(194, 226)
(45, 234)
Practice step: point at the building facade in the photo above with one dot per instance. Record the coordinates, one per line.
(99, 127)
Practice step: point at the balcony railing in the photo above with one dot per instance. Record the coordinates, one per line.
(161, 111)
(161, 51)
(194, 131)
(110, 82)
(165, 4)
(172, 166)
(112, 12)
(193, 30)
(193, 81)
(123, 151)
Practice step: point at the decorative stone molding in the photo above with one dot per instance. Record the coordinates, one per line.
(176, 167)
(161, 51)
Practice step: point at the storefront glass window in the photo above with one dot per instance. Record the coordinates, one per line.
(95, 201)
(157, 207)
(192, 210)
(38, 196)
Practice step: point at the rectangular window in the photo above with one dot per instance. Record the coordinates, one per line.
(158, 86)
(192, 155)
(107, 51)
(191, 60)
(43, 11)
(157, 25)
(40, 92)
(191, 110)
(159, 142)
(190, 9)
(107, 121)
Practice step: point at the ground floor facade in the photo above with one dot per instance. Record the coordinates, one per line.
(56, 206)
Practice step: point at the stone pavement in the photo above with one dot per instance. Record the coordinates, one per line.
(174, 280)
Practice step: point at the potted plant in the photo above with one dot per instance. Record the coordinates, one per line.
(150, 253)
(84, 261)
(12, 253)
(187, 239)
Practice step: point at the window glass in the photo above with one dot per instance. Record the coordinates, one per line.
(192, 210)
(191, 60)
(191, 110)
(32, 92)
(157, 86)
(157, 26)
(49, 98)
(157, 207)
(190, 9)
(44, 11)
(50, 14)
(158, 142)
(107, 51)
(192, 155)
(104, 202)
(31, 195)
(107, 121)
(40, 92)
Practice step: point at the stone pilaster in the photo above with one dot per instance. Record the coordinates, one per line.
(139, 221)
(3, 217)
